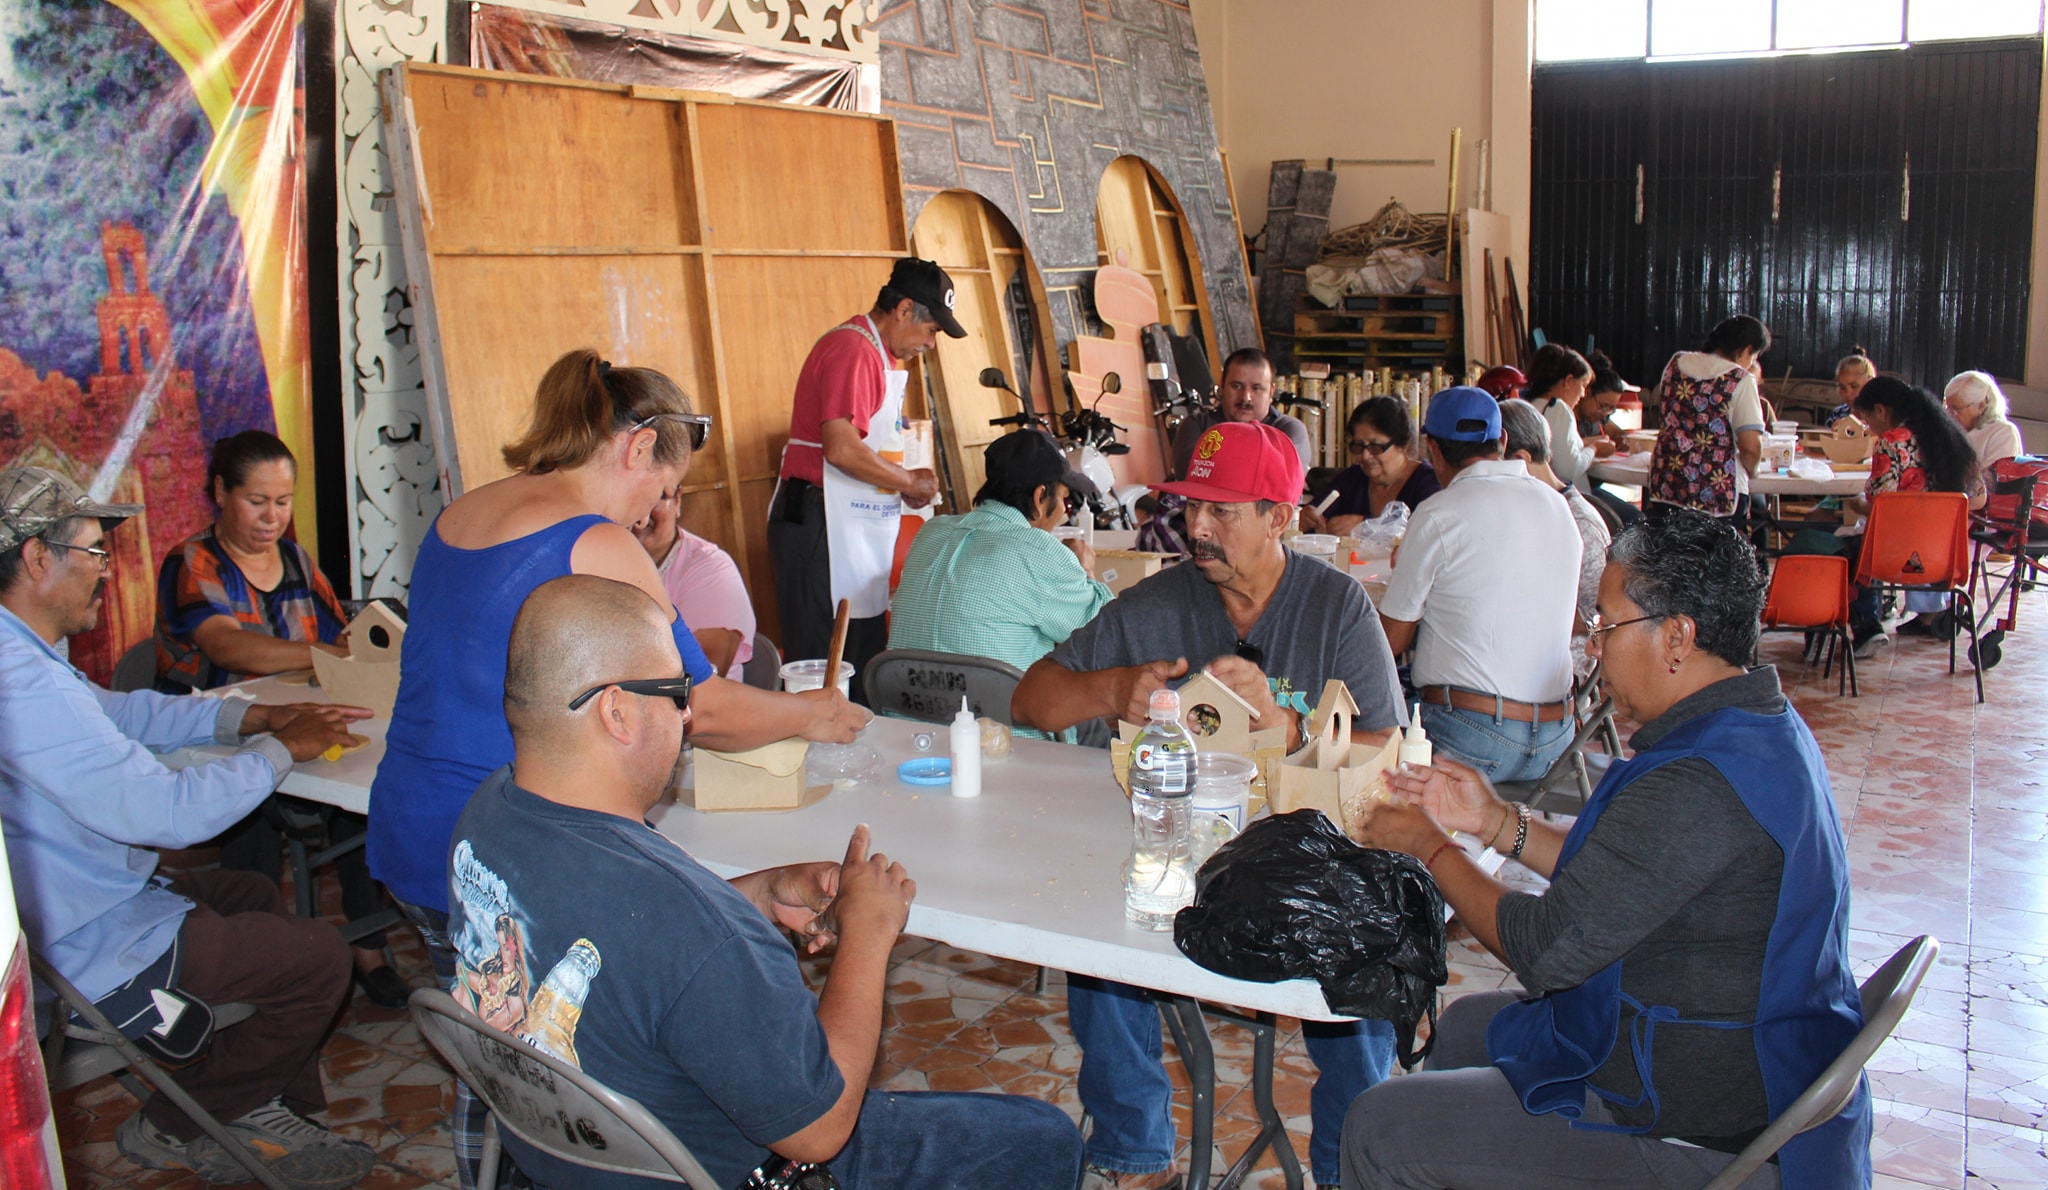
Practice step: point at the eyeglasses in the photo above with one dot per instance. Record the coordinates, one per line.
(1597, 630)
(672, 688)
(1375, 449)
(104, 556)
(699, 423)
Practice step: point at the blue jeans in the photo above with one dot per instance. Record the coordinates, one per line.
(1503, 749)
(939, 1140)
(1125, 1090)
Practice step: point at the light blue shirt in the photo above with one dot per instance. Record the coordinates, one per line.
(82, 795)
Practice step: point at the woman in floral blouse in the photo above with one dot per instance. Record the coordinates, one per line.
(1919, 448)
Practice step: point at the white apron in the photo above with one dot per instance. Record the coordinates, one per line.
(860, 519)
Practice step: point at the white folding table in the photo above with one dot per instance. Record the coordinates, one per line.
(1029, 871)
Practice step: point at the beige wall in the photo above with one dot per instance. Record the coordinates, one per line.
(1372, 79)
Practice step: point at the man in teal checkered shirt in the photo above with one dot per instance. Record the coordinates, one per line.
(994, 582)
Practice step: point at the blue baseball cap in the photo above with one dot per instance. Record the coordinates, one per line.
(1463, 414)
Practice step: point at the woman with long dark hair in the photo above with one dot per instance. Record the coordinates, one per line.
(1558, 378)
(1919, 448)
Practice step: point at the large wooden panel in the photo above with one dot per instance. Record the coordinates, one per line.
(799, 178)
(710, 239)
(982, 252)
(509, 163)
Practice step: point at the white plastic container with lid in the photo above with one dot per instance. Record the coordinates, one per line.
(1320, 546)
(798, 676)
(1222, 798)
(965, 737)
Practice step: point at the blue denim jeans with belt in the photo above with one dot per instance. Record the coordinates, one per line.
(1504, 749)
(1125, 1091)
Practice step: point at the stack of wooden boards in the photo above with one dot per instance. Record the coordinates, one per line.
(1297, 217)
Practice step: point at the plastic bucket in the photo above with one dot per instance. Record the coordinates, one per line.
(798, 676)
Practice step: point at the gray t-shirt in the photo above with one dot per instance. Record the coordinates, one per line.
(1319, 626)
(1681, 881)
(1195, 425)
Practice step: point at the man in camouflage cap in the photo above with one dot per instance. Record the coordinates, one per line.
(83, 797)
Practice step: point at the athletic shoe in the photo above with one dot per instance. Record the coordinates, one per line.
(152, 1148)
(1871, 644)
(1096, 1177)
(301, 1153)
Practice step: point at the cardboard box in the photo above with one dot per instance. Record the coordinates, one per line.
(1119, 569)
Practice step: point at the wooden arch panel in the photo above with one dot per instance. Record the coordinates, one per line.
(678, 230)
(982, 251)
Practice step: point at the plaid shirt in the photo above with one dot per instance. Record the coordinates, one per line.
(199, 582)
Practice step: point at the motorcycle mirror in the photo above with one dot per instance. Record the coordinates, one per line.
(992, 377)
(1112, 383)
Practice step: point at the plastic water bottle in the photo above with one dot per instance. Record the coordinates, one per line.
(1159, 877)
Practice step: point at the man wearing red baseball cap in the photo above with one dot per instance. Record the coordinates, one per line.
(1274, 626)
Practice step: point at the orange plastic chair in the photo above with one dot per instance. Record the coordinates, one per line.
(1810, 593)
(1920, 541)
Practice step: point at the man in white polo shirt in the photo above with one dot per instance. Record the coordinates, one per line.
(1484, 590)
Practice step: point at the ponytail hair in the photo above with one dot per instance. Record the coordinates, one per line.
(583, 400)
(234, 456)
(1735, 335)
(1857, 361)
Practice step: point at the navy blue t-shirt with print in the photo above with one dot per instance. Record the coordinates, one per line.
(603, 943)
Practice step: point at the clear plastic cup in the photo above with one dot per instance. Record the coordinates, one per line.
(798, 676)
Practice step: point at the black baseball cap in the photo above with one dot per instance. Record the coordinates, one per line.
(928, 285)
(1033, 456)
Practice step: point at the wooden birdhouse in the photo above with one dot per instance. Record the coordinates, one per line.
(1220, 721)
(368, 676)
(770, 777)
(1333, 774)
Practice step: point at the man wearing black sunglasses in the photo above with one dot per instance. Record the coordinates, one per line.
(581, 929)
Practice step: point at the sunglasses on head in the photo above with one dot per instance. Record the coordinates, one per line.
(671, 688)
(699, 424)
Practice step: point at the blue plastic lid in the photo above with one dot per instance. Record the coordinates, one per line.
(927, 770)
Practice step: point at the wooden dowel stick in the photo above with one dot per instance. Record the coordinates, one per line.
(838, 645)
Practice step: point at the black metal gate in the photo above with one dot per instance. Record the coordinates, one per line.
(1882, 198)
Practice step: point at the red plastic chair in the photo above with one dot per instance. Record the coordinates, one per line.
(1810, 593)
(1920, 541)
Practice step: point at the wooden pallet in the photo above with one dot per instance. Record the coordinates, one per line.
(1376, 324)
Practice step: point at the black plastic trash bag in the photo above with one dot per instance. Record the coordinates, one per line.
(1293, 898)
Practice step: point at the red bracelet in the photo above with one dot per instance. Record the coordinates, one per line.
(1442, 847)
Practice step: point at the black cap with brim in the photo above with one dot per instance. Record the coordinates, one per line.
(1037, 458)
(925, 283)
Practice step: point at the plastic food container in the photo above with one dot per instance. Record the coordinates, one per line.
(1221, 797)
(1320, 546)
(798, 676)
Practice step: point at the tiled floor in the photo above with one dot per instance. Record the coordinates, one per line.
(1946, 804)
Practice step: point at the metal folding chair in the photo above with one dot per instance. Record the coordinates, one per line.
(2014, 523)
(764, 668)
(550, 1104)
(927, 686)
(74, 1054)
(1575, 772)
(1886, 996)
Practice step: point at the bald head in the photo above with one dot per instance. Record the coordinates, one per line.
(573, 633)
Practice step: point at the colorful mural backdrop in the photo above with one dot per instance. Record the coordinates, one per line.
(152, 260)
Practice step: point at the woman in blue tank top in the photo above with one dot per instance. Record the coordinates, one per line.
(1687, 969)
(601, 445)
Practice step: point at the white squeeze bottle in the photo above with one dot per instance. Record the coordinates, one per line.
(1159, 876)
(1415, 745)
(965, 736)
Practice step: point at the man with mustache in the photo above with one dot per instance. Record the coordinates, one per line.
(1246, 395)
(1274, 626)
(83, 797)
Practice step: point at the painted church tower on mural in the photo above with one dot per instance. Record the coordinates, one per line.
(139, 393)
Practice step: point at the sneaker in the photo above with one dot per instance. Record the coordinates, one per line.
(301, 1153)
(1096, 1177)
(152, 1148)
(1869, 646)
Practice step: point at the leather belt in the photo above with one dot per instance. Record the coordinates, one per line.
(1493, 704)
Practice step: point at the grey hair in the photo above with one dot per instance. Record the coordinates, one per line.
(1689, 564)
(1979, 388)
(1523, 428)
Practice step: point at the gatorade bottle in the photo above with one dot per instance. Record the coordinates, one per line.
(1159, 877)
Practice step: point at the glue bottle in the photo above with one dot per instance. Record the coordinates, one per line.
(965, 736)
(1415, 746)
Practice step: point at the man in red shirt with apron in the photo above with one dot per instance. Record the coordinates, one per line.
(832, 523)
